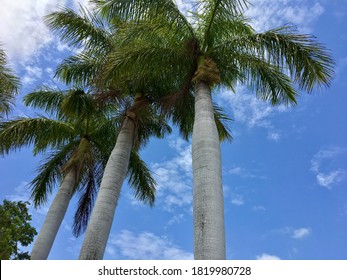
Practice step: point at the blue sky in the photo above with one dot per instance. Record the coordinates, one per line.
(284, 175)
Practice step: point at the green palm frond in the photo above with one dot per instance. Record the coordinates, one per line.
(222, 119)
(309, 62)
(214, 11)
(139, 59)
(86, 30)
(140, 179)
(42, 133)
(267, 80)
(47, 99)
(85, 206)
(79, 106)
(49, 173)
(87, 193)
(78, 69)
(144, 10)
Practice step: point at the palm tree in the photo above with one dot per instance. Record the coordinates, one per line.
(89, 66)
(215, 47)
(80, 134)
(9, 84)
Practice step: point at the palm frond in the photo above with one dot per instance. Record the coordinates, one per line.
(41, 132)
(85, 203)
(47, 99)
(86, 30)
(79, 69)
(309, 62)
(210, 12)
(49, 173)
(79, 106)
(267, 80)
(144, 10)
(140, 179)
(222, 119)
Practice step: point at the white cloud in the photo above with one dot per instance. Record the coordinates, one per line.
(265, 256)
(21, 193)
(235, 171)
(274, 136)
(23, 31)
(177, 219)
(22, 28)
(32, 74)
(324, 165)
(237, 199)
(295, 233)
(326, 154)
(247, 108)
(331, 178)
(174, 177)
(144, 246)
(267, 14)
(245, 173)
(301, 233)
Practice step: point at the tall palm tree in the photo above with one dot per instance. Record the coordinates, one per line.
(80, 134)
(89, 66)
(9, 84)
(215, 47)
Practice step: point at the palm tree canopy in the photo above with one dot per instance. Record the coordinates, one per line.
(78, 133)
(218, 46)
(9, 84)
(97, 65)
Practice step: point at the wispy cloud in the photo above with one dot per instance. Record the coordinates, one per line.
(174, 177)
(301, 233)
(237, 199)
(265, 256)
(248, 109)
(274, 136)
(327, 180)
(267, 14)
(295, 233)
(32, 74)
(144, 245)
(324, 165)
(244, 172)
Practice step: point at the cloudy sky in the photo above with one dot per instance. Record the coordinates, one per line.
(284, 175)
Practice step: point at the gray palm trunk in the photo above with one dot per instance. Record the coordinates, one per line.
(209, 233)
(100, 223)
(54, 218)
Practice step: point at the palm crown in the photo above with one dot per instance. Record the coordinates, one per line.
(218, 45)
(79, 134)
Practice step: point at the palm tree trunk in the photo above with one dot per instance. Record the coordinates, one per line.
(100, 223)
(209, 234)
(54, 218)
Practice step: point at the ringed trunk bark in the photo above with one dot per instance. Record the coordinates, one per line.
(100, 223)
(209, 233)
(54, 218)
